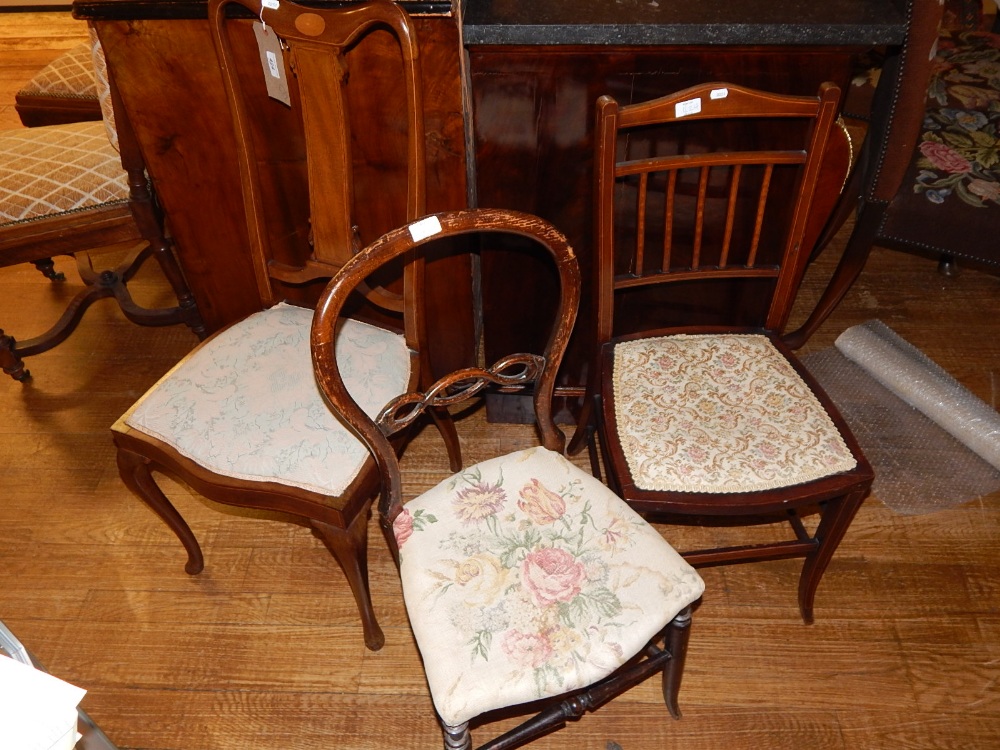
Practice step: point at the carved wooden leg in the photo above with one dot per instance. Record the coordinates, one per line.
(458, 737)
(837, 517)
(11, 363)
(350, 548)
(676, 642)
(48, 269)
(584, 427)
(446, 426)
(135, 473)
(151, 228)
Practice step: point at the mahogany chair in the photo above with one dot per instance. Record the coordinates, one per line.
(75, 188)
(241, 419)
(702, 414)
(927, 180)
(62, 92)
(525, 578)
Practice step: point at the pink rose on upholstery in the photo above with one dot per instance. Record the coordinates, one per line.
(479, 502)
(945, 157)
(526, 649)
(402, 527)
(543, 505)
(552, 575)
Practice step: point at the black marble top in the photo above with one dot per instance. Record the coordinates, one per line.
(686, 22)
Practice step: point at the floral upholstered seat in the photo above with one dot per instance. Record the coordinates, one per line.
(246, 404)
(719, 413)
(525, 577)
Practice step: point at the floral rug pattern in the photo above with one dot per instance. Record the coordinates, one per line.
(960, 150)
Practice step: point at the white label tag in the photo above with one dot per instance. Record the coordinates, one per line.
(718, 94)
(272, 4)
(421, 230)
(690, 107)
(272, 62)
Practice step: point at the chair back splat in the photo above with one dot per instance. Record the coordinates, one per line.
(701, 414)
(525, 579)
(241, 419)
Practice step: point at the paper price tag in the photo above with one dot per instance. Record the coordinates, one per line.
(272, 62)
(689, 107)
(421, 230)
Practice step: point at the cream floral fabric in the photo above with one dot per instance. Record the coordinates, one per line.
(719, 413)
(56, 169)
(70, 75)
(245, 404)
(525, 577)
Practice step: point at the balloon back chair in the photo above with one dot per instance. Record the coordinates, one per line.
(241, 419)
(69, 189)
(702, 415)
(524, 577)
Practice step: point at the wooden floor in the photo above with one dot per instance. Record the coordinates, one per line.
(262, 650)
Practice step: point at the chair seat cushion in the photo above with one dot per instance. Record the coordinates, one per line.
(70, 75)
(245, 404)
(58, 169)
(719, 413)
(526, 577)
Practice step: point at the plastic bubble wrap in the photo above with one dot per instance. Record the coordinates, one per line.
(933, 444)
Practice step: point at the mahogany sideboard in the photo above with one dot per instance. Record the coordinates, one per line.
(509, 91)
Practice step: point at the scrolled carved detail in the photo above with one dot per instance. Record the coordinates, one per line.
(509, 374)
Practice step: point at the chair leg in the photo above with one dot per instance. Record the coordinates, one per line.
(350, 548)
(676, 642)
(11, 363)
(98, 285)
(135, 473)
(150, 225)
(446, 426)
(48, 269)
(837, 517)
(851, 264)
(457, 737)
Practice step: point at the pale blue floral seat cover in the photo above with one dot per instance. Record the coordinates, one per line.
(246, 404)
(525, 577)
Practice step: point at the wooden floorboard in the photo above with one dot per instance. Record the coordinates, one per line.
(263, 649)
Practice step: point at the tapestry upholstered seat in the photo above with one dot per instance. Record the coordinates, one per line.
(720, 413)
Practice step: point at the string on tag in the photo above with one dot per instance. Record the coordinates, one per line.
(273, 5)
